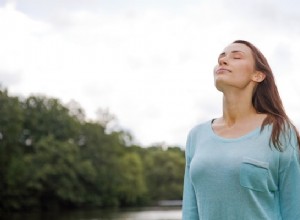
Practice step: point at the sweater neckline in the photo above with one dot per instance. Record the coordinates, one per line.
(240, 138)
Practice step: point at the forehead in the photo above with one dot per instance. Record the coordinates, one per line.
(237, 47)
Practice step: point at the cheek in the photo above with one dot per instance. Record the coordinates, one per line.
(245, 71)
(215, 69)
(250, 69)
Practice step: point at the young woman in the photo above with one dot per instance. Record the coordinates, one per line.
(245, 164)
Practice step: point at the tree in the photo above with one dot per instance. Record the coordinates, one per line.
(11, 150)
(52, 157)
(132, 187)
(104, 151)
(164, 173)
(10, 123)
(47, 116)
(58, 175)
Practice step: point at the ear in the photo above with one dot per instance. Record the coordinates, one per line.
(258, 76)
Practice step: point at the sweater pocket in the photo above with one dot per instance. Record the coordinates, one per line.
(254, 174)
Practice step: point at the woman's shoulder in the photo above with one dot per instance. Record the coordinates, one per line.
(194, 134)
(200, 127)
(289, 138)
(289, 147)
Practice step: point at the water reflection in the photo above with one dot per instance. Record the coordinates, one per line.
(162, 214)
(157, 213)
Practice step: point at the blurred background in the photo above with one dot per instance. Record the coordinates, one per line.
(97, 97)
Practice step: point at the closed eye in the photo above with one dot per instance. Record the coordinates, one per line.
(237, 54)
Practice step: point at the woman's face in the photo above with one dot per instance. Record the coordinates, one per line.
(235, 67)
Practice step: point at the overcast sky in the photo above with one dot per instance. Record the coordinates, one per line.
(149, 62)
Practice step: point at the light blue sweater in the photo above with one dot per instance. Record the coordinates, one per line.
(242, 178)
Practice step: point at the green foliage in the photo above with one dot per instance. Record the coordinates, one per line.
(132, 187)
(11, 123)
(54, 170)
(11, 119)
(51, 157)
(164, 173)
(44, 116)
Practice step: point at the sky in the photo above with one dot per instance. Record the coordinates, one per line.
(148, 62)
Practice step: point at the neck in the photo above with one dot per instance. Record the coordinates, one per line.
(237, 108)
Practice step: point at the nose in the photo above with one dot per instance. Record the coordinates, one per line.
(223, 60)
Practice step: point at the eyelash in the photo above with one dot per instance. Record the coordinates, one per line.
(235, 58)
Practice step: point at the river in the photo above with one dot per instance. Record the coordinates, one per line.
(153, 213)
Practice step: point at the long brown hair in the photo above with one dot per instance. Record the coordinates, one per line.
(266, 99)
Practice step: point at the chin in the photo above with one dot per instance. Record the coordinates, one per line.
(219, 84)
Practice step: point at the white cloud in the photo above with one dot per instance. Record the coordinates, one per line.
(152, 67)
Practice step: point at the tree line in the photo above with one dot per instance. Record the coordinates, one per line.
(52, 157)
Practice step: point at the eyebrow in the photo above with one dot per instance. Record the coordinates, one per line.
(234, 51)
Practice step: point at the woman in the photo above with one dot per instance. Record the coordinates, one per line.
(245, 164)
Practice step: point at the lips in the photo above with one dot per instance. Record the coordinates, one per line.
(222, 70)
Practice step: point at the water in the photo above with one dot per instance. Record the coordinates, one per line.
(146, 214)
(156, 213)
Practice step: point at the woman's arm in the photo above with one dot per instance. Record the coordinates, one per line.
(289, 182)
(189, 207)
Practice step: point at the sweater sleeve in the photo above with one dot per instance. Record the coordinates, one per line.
(289, 182)
(189, 207)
